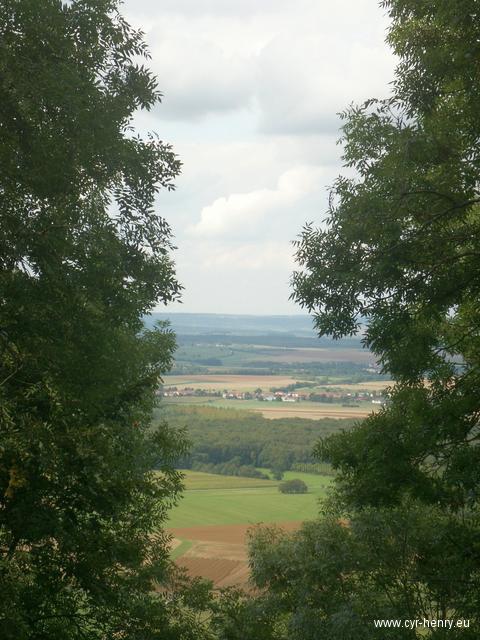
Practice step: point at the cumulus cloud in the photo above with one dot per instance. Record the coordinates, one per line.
(228, 215)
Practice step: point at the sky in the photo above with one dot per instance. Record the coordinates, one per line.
(251, 95)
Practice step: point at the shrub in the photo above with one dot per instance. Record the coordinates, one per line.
(293, 486)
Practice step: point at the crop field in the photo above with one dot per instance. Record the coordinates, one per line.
(368, 385)
(303, 354)
(241, 355)
(249, 505)
(211, 499)
(240, 383)
(219, 382)
(210, 525)
(197, 480)
(274, 410)
(313, 410)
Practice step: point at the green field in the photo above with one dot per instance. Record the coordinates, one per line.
(196, 480)
(213, 499)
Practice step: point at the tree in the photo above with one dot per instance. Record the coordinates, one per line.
(293, 486)
(399, 254)
(84, 255)
(399, 258)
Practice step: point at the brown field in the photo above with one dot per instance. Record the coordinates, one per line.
(219, 570)
(219, 552)
(228, 533)
(325, 411)
(376, 385)
(218, 382)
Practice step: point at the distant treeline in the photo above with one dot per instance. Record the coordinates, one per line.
(233, 467)
(247, 439)
(251, 325)
(318, 468)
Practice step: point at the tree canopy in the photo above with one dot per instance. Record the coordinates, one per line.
(84, 255)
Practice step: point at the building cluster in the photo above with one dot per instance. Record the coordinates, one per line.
(277, 396)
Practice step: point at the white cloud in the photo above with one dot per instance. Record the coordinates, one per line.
(198, 77)
(242, 211)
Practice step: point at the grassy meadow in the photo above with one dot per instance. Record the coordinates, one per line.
(211, 499)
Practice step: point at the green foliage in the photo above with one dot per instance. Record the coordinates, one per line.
(400, 253)
(83, 256)
(319, 468)
(231, 468)
(239, 617)
(295, 485)
(333, 579)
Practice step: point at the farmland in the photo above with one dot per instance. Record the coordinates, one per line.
(243, 382)
(218, 382)
(251, 355)
(240, 384)
(274, 346)
(273, 410)
(255, 396)
(211, 522)
(245, 501)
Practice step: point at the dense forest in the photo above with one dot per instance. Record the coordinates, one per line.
(235, 442)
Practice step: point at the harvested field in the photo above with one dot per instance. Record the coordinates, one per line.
(323, 411)
(214, 569)
(229, 533)
(231, 382)
(219, 382)
(219, 553)
(174, 543)
(374, 385)
(308, 354)
(274, 410)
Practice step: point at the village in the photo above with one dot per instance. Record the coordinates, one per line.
(278, 395)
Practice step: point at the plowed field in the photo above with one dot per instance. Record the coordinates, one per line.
(219, 552)
(214, 569)
(227, 533)
(296, 410)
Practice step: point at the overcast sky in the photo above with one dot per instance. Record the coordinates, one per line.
(252, 89)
